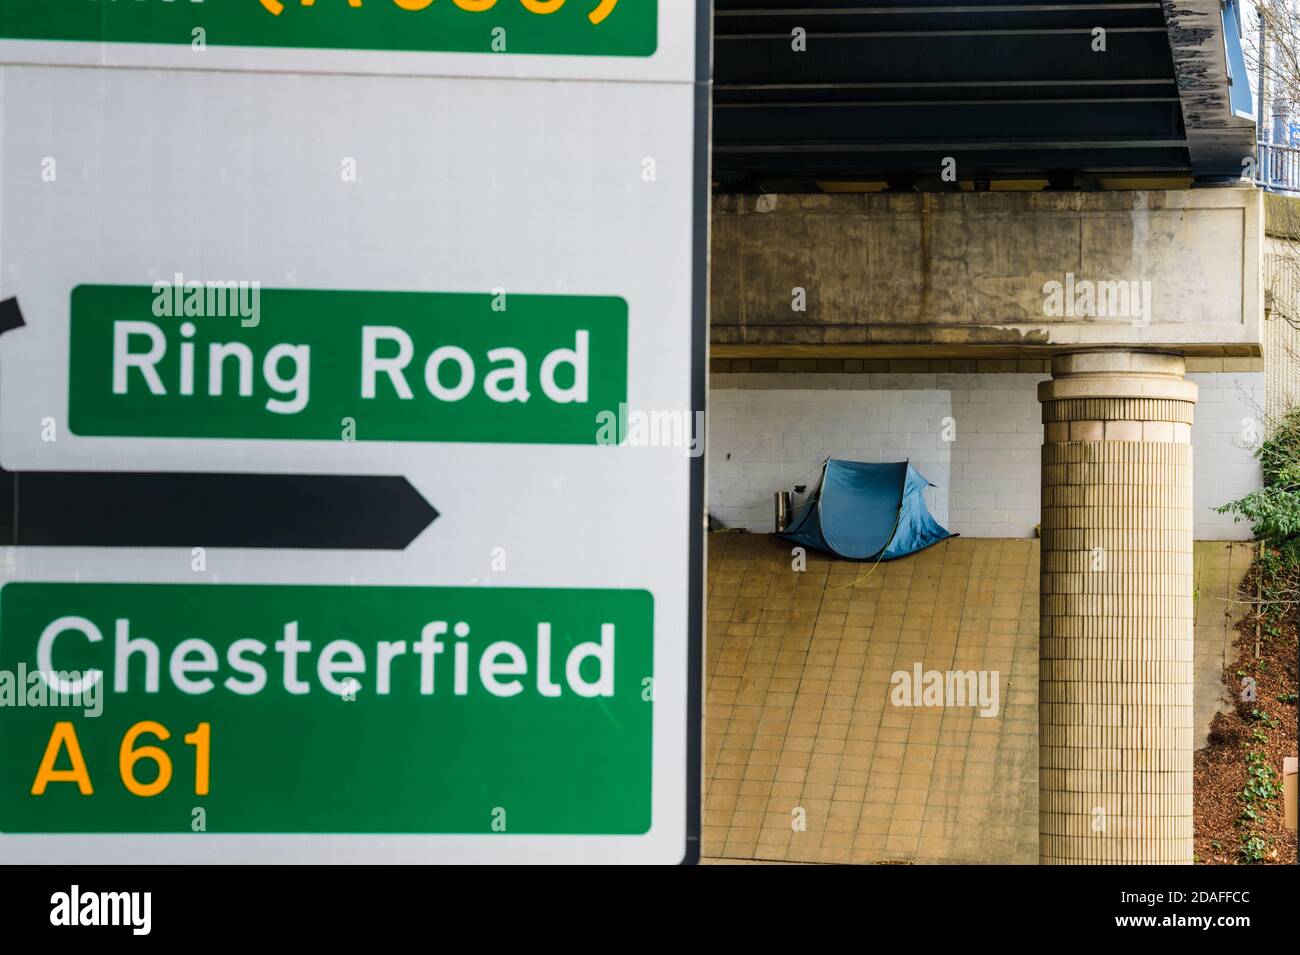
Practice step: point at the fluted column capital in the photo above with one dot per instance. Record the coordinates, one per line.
(1118, 374)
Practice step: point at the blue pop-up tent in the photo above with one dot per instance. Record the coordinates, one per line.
(866, 512)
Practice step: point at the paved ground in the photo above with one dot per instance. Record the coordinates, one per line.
(1219, 569)
(806, 760)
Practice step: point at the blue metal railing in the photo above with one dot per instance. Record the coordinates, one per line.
(1278, 167)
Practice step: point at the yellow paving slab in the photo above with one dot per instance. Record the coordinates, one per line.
(808, 759)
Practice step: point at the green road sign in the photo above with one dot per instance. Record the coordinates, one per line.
(579, 27)
(323, 709)
(211, 360)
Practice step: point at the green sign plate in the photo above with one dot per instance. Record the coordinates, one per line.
(573, 27)
(323, 709)
(190, 360)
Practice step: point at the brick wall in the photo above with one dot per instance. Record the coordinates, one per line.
(772, 421)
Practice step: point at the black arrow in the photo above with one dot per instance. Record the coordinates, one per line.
(11, 316)
(165, 509)
(126, 509)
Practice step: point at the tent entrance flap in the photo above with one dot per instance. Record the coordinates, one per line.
(866, 512)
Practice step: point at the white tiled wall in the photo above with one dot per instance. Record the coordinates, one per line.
(1230, 405)
(770, 431)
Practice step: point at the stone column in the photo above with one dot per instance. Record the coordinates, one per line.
(1115, 683)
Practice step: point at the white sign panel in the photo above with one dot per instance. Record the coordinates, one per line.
(352, 424)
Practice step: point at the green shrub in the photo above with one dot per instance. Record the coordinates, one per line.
(1253, 849)
(1274, 509)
